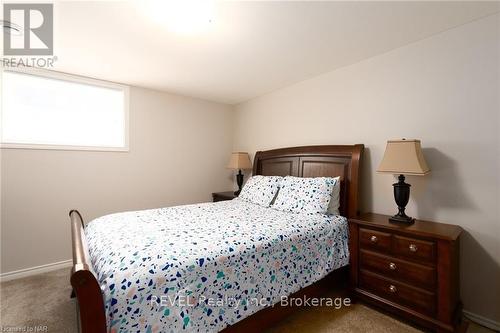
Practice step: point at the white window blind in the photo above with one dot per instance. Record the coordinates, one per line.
(60, 111)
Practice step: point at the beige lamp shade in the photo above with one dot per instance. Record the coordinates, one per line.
(239, 160)
(404, 157)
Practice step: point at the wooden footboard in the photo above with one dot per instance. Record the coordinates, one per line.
(84, 281)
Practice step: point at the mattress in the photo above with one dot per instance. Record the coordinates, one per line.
(203, 267)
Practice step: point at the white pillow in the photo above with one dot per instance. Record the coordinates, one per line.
(334, 205)
(304, 195)
(261, 190)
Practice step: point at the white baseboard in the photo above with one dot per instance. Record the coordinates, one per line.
(34, 270)
(483, 321)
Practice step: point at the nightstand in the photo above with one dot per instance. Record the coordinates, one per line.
(221, 196)
(409, 270)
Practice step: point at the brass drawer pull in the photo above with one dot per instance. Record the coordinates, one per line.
(393, 289)
(373, 239)
(392, 266)
(413, 248)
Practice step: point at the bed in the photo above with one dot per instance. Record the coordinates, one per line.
(212, 266)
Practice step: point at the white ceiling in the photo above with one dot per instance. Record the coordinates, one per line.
(250, 49)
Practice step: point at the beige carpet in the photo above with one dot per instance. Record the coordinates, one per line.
(43, 300)
(39, 300)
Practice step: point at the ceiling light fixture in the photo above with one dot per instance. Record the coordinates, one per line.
(185, 17)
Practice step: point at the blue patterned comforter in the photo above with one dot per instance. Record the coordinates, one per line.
(203, 267)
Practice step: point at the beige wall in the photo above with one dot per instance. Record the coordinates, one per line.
(443, 90)
(178, 150)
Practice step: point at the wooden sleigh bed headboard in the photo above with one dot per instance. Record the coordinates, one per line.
(307, 161)
(317, 161)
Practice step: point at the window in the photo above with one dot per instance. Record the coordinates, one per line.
(50, 110)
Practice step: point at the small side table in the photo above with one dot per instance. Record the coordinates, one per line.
(222, 196)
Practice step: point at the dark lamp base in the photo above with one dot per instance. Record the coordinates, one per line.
(401, 195)
(239, 181)
(401, 219)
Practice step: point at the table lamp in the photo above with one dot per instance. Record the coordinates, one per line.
(239, 161)
(403, 157)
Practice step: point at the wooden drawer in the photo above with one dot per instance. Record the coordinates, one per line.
(425, 282)
(415, 274)
(375, 240)
(412, 248)
(418, 299)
